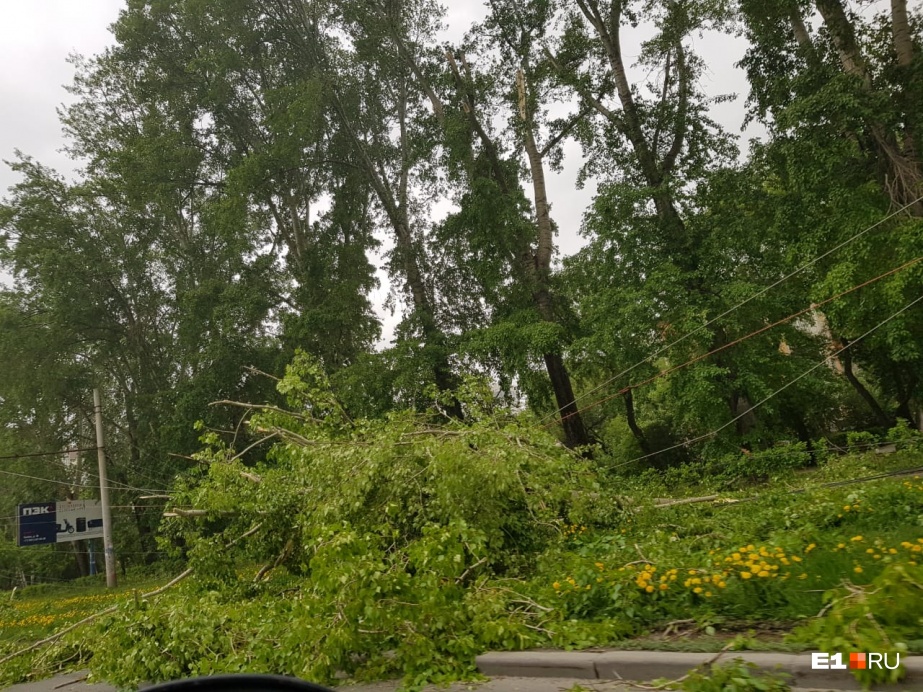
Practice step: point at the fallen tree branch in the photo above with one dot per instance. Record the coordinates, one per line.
(269, 566)
(177, 512)
(465, 573)
(669, 683)
(71, 682)
(686, 501)
(260, 407)
(111, 609)
(255, 444)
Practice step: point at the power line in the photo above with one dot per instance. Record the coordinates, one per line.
(80, 485)
(807, 372)
(46, 454)
(142, 508)
(735, 342)
(86, 471)
(734, 308)
(142, 474)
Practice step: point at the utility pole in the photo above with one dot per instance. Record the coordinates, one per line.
(108, 549)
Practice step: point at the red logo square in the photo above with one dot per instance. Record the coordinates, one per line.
(857, 661)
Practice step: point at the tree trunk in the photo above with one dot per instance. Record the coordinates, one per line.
(146, 536)
(903, 172)
(906, 388)
(802, 36)
(396, 210)
(900, 29)
(81, 557)
(633, 423)
(846, 357)
(740, 406)
(574, 430)
(630, 122)
(844, 39)
(145, 532)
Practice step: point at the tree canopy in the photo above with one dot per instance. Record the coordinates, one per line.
(247, 166)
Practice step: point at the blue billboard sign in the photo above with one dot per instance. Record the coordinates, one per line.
(59, 522)
(37, 524)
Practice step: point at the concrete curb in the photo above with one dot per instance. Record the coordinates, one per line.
(649, 665)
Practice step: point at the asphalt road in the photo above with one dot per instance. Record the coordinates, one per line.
(74, 682)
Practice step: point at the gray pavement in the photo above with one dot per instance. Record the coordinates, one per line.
(594, 671)
(650, 665)
(74, 683)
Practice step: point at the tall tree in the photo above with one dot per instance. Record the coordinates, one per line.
(486, 163)
(839, 100)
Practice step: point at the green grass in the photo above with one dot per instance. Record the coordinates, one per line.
(35, 612)
(768, 560)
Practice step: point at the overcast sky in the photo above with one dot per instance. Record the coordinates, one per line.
(36, 37)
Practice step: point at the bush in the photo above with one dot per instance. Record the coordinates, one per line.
(764, 464)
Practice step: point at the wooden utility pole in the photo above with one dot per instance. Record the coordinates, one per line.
(108, 549)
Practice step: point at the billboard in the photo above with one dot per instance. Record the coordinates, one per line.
(58, 522)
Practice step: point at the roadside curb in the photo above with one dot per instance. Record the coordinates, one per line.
(650, 665)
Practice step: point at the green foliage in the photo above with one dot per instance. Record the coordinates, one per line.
(860, 441)
(400, 539)
(881, 617)
(242, 170)
(769, 463)
(735, 676)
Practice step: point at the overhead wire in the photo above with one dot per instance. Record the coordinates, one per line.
(80, 485)
(11, 457)
(88, 472)
(735, 342)
(778, 391)
(732, 309)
